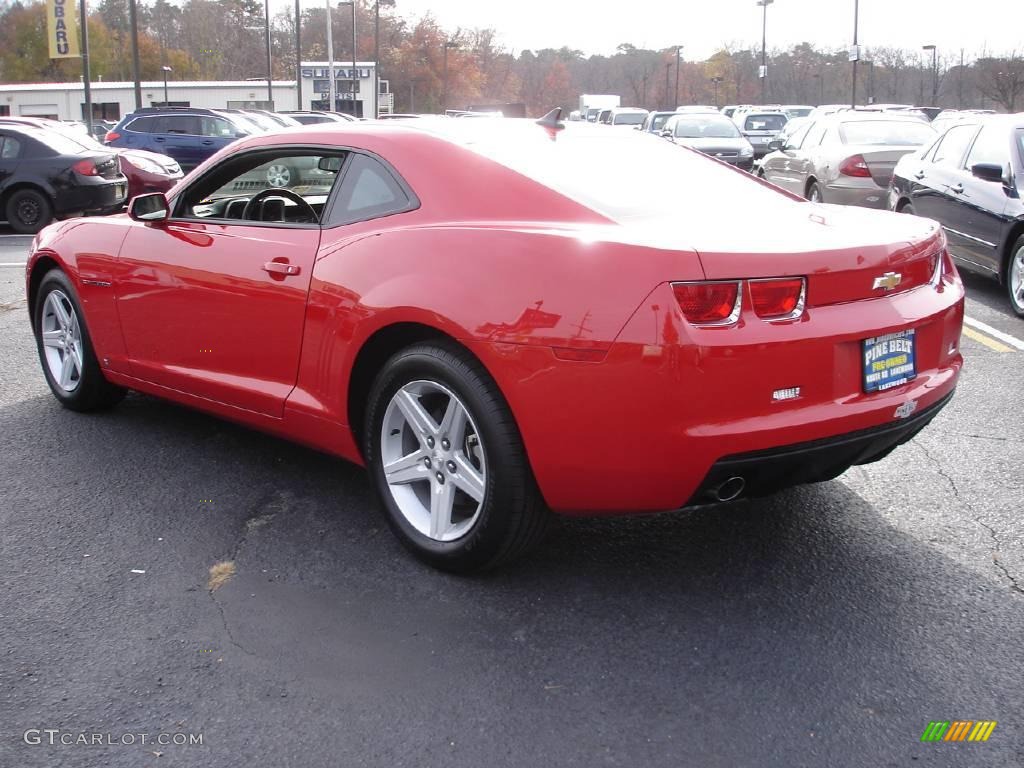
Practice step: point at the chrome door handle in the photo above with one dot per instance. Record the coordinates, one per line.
(958, 189)
(280, 268)
(919, 175)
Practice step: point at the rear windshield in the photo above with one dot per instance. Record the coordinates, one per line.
(904, 133)
(629, 118)
(764, 122)
(623, 177)
(62, 144)
(716, 128)
(799, 112)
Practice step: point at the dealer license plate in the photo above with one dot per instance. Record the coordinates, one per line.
(888, 360)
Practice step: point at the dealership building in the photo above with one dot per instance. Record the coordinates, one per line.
(113, 100)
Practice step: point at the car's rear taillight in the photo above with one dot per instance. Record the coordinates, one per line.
(778, 298)
(111, 136)
(855, 165)
(85, 168)
(709, 303)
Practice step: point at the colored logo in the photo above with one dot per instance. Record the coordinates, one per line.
(958, 730)
(888, 281)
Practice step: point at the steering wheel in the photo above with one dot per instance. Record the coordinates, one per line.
(259, 197)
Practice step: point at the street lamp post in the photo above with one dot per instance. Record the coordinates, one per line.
(166, 69)
(376, 52)
(716, 81)
(352, 4)
(764, 50)
(679, 51)
(298, 55)
(270, 74)
(935, 71)
(855, 55)
(83, 18)
(331, 85)
(134, 21)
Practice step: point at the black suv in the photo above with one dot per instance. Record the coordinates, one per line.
(188, 134)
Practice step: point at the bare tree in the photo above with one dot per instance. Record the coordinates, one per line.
(1001, 79)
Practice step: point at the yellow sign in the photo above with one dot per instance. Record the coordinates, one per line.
(62, 28)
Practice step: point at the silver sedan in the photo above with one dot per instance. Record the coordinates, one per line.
(845, 158)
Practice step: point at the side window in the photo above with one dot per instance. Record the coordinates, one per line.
(368, 191)
(290, 185)
(11, 148)
(142, 125)
(185, 124)
(814, 136)
(216, 126)
(992, 146)
(796, 139)
(953, 145)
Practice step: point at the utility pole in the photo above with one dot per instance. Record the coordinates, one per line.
(354, 72)
(960, 83)
(764, 50)
(855, 54)
(84, 23)
(668, 67)
(679, 50)
(134, 21)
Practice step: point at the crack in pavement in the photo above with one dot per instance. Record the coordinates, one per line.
(258, 517)
(997, 547)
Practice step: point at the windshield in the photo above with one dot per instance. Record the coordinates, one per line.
(904, 133)
(262, 121)
(629, 118)
(764, 122)
(799, 112)
(704, 128)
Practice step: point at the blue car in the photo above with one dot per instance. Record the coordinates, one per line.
(187, 134)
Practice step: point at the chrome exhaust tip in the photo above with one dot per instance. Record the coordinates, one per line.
(730, 489)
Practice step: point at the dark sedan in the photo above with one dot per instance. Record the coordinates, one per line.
(713, 135)
(971, 180)
(45, 175)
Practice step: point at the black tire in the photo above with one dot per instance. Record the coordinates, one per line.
(908, 208)
(93, 392)
(28, 211)
(814, 192)
(513, 518)
(1016, 301)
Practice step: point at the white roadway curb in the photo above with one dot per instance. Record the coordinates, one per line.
(995, 333)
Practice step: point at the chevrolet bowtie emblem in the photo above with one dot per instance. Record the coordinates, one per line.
(888, 281)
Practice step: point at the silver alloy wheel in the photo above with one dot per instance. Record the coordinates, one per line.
(279, 175)
(815, 194)
(1016, 279)
(62, 341)
(433, 460)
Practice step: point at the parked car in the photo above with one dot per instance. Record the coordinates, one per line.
(759, 128)
(145, 171)
(313, 117)
(475, 410)
(845, 158)
(796, 110)
(971, 180)
(655, 121)
(604, 116)
(714, 135)
(626, 117)
(950, 117)
(698, 109)
(188, 134)
(45, 174)
(729, 109)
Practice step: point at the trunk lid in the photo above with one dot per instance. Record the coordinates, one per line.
(881, 161)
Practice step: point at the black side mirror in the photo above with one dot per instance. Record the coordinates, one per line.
(775, 145)
(988, 171)
(151, 207)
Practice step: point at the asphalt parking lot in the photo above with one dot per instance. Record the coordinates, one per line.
(826, 626)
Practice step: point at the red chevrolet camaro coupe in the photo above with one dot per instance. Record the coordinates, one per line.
(501, 318)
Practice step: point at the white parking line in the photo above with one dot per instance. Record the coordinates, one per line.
(1006, 338)
(13, 263)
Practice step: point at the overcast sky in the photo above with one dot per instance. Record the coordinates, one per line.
(598, 26)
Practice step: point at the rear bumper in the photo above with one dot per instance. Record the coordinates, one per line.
(92, 196)
(866, 195)
(645, 428)
(768, 471)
